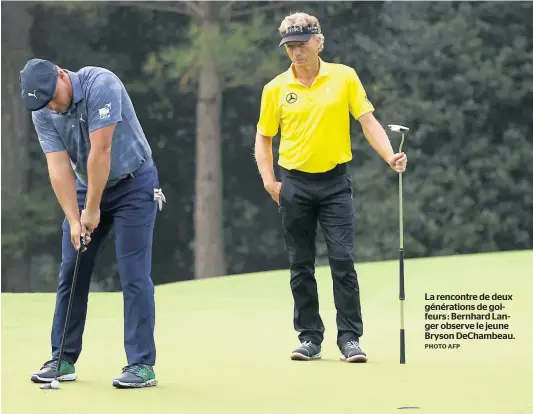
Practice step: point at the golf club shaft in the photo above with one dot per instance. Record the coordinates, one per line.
(400, 197)
(402, 284)
(69, 306)
(402, 299)
(69, 310)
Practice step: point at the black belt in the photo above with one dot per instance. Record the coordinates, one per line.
(338, 170)
(143, 167)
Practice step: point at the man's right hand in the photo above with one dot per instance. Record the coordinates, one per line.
(274, 189)
(76, 235)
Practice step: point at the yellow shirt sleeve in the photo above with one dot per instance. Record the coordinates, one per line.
(269, 117)
(359, 103)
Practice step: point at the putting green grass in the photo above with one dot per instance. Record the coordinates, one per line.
(224, 345)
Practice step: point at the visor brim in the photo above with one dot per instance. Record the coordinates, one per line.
(296, 38)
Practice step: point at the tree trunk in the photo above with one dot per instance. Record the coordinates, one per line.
(209, 257)
(16, 22)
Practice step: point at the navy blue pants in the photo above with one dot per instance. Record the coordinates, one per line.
(129, 208)
(305, 201)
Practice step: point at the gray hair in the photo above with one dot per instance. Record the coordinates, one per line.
(305, 20)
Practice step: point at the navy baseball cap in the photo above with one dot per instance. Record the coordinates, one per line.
(38, 82)
(298, 34)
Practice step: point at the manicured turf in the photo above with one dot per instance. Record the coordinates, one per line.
(224, 345)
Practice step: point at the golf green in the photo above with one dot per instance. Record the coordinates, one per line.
(223, 347)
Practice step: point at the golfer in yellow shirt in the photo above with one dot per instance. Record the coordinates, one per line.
(311, 104)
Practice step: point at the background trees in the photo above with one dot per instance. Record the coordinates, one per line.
(459, 74)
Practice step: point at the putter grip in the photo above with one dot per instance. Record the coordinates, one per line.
(83, 245)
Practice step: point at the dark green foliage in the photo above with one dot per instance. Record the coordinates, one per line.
(460, 75)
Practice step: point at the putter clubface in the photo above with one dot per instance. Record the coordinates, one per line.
(398, 128)
(46, 386)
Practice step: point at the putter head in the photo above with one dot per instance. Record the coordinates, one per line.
(398, 128)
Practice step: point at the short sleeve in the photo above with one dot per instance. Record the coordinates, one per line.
(269, 117)
(359, 102)
(104, 101)
(47, 134)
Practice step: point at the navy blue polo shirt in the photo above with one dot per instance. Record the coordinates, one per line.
(99, 99)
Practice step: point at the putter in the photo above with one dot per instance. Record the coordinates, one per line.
(403, 130)
(54, 384)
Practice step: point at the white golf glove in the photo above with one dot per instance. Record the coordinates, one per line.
(160, 197)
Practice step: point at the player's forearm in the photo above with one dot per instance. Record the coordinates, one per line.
(64, 185)
(265, 159)
(378, 139)
(98, 167)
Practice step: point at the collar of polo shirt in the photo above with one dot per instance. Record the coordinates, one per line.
(323, 71)
(76, 87)
(76, 91)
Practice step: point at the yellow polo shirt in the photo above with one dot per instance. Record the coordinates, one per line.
(315, 121)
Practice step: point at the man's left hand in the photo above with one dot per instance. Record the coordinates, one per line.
(398, 162)
(89, 221)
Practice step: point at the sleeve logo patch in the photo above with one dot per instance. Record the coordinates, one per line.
(105, 112)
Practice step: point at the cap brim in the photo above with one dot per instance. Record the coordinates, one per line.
(35, 105)
(296, 38)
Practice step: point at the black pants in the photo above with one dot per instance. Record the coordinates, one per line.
(305, 200)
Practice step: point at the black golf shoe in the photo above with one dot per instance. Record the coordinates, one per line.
(306, 351)
(351, 352)
(136, 376)
(47, 373)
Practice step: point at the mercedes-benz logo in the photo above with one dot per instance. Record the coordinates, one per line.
(291, 98)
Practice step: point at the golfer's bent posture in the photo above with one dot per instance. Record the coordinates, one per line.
(101, 170)
(311, 103)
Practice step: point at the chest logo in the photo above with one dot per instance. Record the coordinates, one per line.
(291, 98)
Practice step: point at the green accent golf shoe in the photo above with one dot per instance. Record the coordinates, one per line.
(136, 376)
(47, 373)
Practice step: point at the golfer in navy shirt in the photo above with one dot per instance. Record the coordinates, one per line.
(101, 170)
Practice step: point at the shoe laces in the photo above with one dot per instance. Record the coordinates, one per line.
(306, 344)
(353, 345)
(52, 364)
(134, 368)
